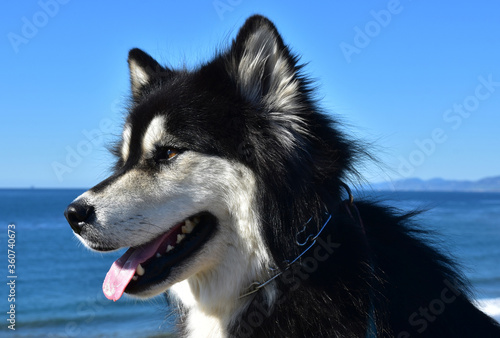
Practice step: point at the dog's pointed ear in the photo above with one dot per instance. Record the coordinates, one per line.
(261, 64)
(144, 70)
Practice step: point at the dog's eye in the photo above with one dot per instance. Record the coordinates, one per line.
(163, 154)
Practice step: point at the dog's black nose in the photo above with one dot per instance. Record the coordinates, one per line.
(77, 214)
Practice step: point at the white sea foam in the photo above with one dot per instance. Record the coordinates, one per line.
(490, 306)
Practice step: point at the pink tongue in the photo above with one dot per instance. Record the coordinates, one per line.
(123, 269)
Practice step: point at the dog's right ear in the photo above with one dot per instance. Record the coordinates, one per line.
(263, 67)
(144, 70)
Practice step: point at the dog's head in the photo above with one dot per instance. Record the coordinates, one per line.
(197, 148)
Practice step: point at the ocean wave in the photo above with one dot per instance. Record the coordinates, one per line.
(490, 306)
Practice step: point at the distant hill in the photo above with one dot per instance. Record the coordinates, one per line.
(489, 184)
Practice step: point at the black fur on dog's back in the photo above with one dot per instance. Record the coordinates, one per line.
(393, 284)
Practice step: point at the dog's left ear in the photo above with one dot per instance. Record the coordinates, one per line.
(261, 64)
(144, 70)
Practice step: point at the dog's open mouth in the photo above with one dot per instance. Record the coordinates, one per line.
(144, 266)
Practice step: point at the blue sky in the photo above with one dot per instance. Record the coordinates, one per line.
(419, 80)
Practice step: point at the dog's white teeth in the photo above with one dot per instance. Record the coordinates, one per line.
(135, 278)
(158, 255)
(140, 270)
(187, 227)
(180, 238)
(169, 248)
(196, 220)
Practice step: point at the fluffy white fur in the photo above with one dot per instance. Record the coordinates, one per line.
(138, 77)
(155, 134)
(126, 134)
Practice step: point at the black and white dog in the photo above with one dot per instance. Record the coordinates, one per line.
(228, 191)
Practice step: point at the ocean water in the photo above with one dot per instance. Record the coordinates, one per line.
(58, 282)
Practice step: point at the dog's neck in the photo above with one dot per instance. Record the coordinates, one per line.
(211, 298)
